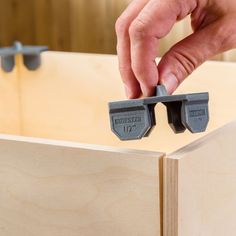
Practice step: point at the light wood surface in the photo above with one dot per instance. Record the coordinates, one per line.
(200, 187)
(63, 188)
(10, 121)
(57, 188)
(67, 99)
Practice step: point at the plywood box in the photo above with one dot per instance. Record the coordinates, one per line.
(63, 172)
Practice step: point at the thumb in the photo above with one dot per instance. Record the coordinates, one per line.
(184, 57)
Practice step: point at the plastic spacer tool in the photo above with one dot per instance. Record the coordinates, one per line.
(135, 119)
(31, 56)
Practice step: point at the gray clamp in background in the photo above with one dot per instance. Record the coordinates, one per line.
(135, 119)
(31, 56)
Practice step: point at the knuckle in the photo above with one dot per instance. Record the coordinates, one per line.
(138, 29)
(125, 68)
(226, 35)
(137, 69)
(126, 72)
(187, 63)
(121, 26)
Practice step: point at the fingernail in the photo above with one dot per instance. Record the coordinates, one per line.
(170, 82)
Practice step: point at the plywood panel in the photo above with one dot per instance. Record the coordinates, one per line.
(67, 99)
(200, 187)
(10, 113)
(57, 188)
(230, 56)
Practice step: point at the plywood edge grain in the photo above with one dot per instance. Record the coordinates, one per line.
(85, 54)
(87, 146)
(114, 56)
(200, 143)
(170, 199)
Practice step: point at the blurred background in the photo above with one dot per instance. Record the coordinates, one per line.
(74, 25)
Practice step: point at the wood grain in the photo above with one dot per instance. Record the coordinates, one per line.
(200, 187)
(65, 25)
(57, 188)
(75, 25)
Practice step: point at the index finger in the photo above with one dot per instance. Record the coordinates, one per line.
(123, 47)
(153, 23)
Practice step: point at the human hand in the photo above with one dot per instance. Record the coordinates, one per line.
(142, 25)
